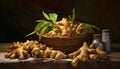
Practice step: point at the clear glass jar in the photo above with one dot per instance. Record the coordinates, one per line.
(97, 40)
(106, 39)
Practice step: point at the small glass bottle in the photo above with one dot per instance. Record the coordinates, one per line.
(97, 40)
(106, 39)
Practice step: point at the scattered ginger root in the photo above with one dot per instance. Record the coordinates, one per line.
(49, 52)
(33, 49)
(85, 53)
(93, 56)
(19, 53)
(19, 50)
(81, 55)
(100, 52)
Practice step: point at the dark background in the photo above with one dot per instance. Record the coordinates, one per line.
(17, 17)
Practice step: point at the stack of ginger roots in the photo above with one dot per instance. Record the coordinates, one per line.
(67, 28)
(35, 49)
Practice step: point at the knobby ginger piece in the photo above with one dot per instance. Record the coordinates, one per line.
(82, 54)
(93, 56)
(100, 52)
(56, 54)
(19, 53)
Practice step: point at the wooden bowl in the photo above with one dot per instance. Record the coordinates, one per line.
(64, 43)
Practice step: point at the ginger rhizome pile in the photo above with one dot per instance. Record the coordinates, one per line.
(67, 28)
(33, 49)
(85, 53)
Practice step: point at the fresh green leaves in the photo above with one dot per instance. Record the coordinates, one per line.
(72, 18)
(90, 27)
(51, 17)
(49, 24)
(86, 26)
(46, 16)
(43, 30)
(39, 27)
(44, 26)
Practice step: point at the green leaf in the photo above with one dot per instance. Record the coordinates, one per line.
(30, 33)
(39, 21)
(90, 27)
(46, 16)
(43, 24)
(53, 17)
(73, 15)
(43, 30)
(95, 27)
(39, 26)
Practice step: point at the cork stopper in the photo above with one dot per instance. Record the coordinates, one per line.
(97, 35)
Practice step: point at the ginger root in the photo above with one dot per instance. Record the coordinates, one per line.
(85, 53)
(82, 54)
(33, 49)
(24, 50)
(56, 54)
(93, 56)
(100, 52)
(66, 28)
(19, 53)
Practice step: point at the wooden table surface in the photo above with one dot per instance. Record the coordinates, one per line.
(112, 63)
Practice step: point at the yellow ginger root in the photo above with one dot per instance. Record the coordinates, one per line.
(66, 28)
(92, 46)
(79, 28)
(85, 53)
(100, 52)
(74, 54)
(56, 54)
(15, 45)
(54, 32)
(38, 50)
(19, 53)
(23, 50)
(33, 49)
(81, 55)
(43, 51)
(73, 29)
(63, 25)
(93, 56)
(19, 50)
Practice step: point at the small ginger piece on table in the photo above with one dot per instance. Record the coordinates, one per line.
(93, 56)
(100, 52)
(36, 51)
(21, 50)
(56, 54)
(82, 54)
(19, 53)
